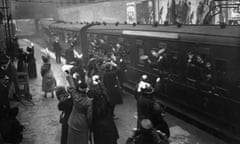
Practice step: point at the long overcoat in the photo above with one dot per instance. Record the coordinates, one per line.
(57, 48)
(32, 68)
(103, 126)
(65, 106)
(111, 84)
(79, 119)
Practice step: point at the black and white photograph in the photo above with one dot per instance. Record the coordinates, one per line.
(119, 71)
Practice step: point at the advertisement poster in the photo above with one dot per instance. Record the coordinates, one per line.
(235, 12)
(131, 13)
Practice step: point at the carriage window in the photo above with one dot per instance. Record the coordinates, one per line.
(173, 62)
(221, 72)
(121, 40)
(204, 65)
(158, 57)
(191, 68)
(141, 54)
(140, 51)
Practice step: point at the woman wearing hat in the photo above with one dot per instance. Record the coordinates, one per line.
(32, 68)
(48, 79)
(65, 105)
(103, 126)
(145, 101)
(111, 83)
(149, 108)
(80, 118)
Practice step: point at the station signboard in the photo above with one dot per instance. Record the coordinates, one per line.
(131, 13)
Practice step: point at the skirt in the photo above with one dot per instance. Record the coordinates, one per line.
(77, 137)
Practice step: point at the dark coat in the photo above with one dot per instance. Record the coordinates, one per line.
(147, 110)
(10, 128)
(111, 84)
(145, 107)
(159, 123)
(21, 65)
(66, 107)
(103, 126)
(57, 48)
(81, 115)
(69, 55)
(32, 68)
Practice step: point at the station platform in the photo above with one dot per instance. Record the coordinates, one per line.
(41, 120)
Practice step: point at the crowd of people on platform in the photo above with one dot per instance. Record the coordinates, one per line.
(88, 104)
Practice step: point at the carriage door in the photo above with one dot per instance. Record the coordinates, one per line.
(191, 76)
(204, 65)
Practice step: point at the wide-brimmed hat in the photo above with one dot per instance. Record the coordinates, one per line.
(145, 87)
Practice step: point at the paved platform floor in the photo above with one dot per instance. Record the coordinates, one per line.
(42, 119)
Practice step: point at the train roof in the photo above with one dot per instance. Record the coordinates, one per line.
(68, 26)
(203, 34)
(46, 23)
(232, 31)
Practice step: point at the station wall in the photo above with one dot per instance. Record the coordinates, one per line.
(142, 11)
(33, 10)
(104, 11)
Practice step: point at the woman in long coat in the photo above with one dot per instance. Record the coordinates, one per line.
(65, 105)
(80, 118)
(103, 126)
(111, 83)
(22, 58)
(32, 70)
(48, 79)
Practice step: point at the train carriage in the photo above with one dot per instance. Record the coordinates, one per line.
(198, 65)
(68, 34)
